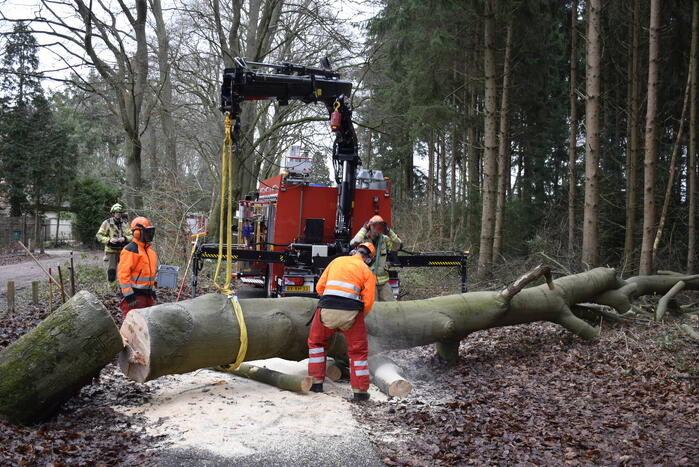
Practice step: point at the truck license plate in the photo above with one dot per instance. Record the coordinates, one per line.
(298, 288)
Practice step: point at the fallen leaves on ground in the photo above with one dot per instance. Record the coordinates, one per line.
(85, 430)
(537, 394)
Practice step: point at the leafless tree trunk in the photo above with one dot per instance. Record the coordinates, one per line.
(368, 148)
(408, 170)
(473, 165)
(590, 247)
(673, 167)
(128, 78)
(573, 131)
(442, 161)
(633, 138)
(693, 190)
(503, 149)
(650, 157)
(485, 253)
(455, 155)
(164, 93)
(430, 178)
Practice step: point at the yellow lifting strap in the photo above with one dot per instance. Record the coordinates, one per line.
(225, 225)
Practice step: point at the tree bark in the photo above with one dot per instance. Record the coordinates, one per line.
(442, 162)
(275, 378)
(473, 166)
(692, 166)
(633, 135)
(503, 149)
(650, 156)
(455, 155)
(408, 169)
(590, 246)
(203, 332)
(485, 252)
(165, 93)
(53, 361)
(665, 300)
(430, 179)
(672, 170)
(573, 131)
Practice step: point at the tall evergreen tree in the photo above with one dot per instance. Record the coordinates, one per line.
(20, 88)
(35, 150)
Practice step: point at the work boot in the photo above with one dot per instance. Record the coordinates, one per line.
(360, 397)
(317, 387)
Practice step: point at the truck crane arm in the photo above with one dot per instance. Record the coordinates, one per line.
(288, 82)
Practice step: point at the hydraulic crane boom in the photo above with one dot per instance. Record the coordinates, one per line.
(306, 84)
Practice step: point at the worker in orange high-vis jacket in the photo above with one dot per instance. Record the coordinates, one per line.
(346, 288)
(137, 268)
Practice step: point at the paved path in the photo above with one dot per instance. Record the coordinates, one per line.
(27, 271)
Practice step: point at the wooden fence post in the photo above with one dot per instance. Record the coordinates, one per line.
(35, 293)
(11, 296)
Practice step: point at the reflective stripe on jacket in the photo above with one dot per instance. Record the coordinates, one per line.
(383, 244)
(137, 269)
(109, 229)
(348, 277)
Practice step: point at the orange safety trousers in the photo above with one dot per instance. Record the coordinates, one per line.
(357, 348)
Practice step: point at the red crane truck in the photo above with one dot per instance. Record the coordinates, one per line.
(289, 229)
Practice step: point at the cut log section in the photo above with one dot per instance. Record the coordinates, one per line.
(46, 366)
(275, 378)
(387, 375)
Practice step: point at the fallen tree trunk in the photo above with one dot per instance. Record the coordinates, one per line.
(203, 332)
(54, 360)
(275, 378)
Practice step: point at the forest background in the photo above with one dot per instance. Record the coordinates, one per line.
(510, 128)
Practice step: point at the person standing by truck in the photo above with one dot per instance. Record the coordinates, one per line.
(114, 234)
(384, 240)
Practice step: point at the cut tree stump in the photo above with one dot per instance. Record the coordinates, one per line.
(54, 360)
(203, 332)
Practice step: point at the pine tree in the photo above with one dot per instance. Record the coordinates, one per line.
(320, 174)
(19, 89)
(35, 150)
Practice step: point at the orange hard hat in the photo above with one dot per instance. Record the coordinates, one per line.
(369, 246)
(376, 220)
(140, 222)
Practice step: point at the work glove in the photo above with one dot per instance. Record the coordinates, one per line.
(131, 300)
(387, 230)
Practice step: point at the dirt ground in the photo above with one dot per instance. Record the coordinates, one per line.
(530, 394)
(23, 270)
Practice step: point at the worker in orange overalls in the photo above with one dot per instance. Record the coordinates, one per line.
(347, 288)
(137, 268)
